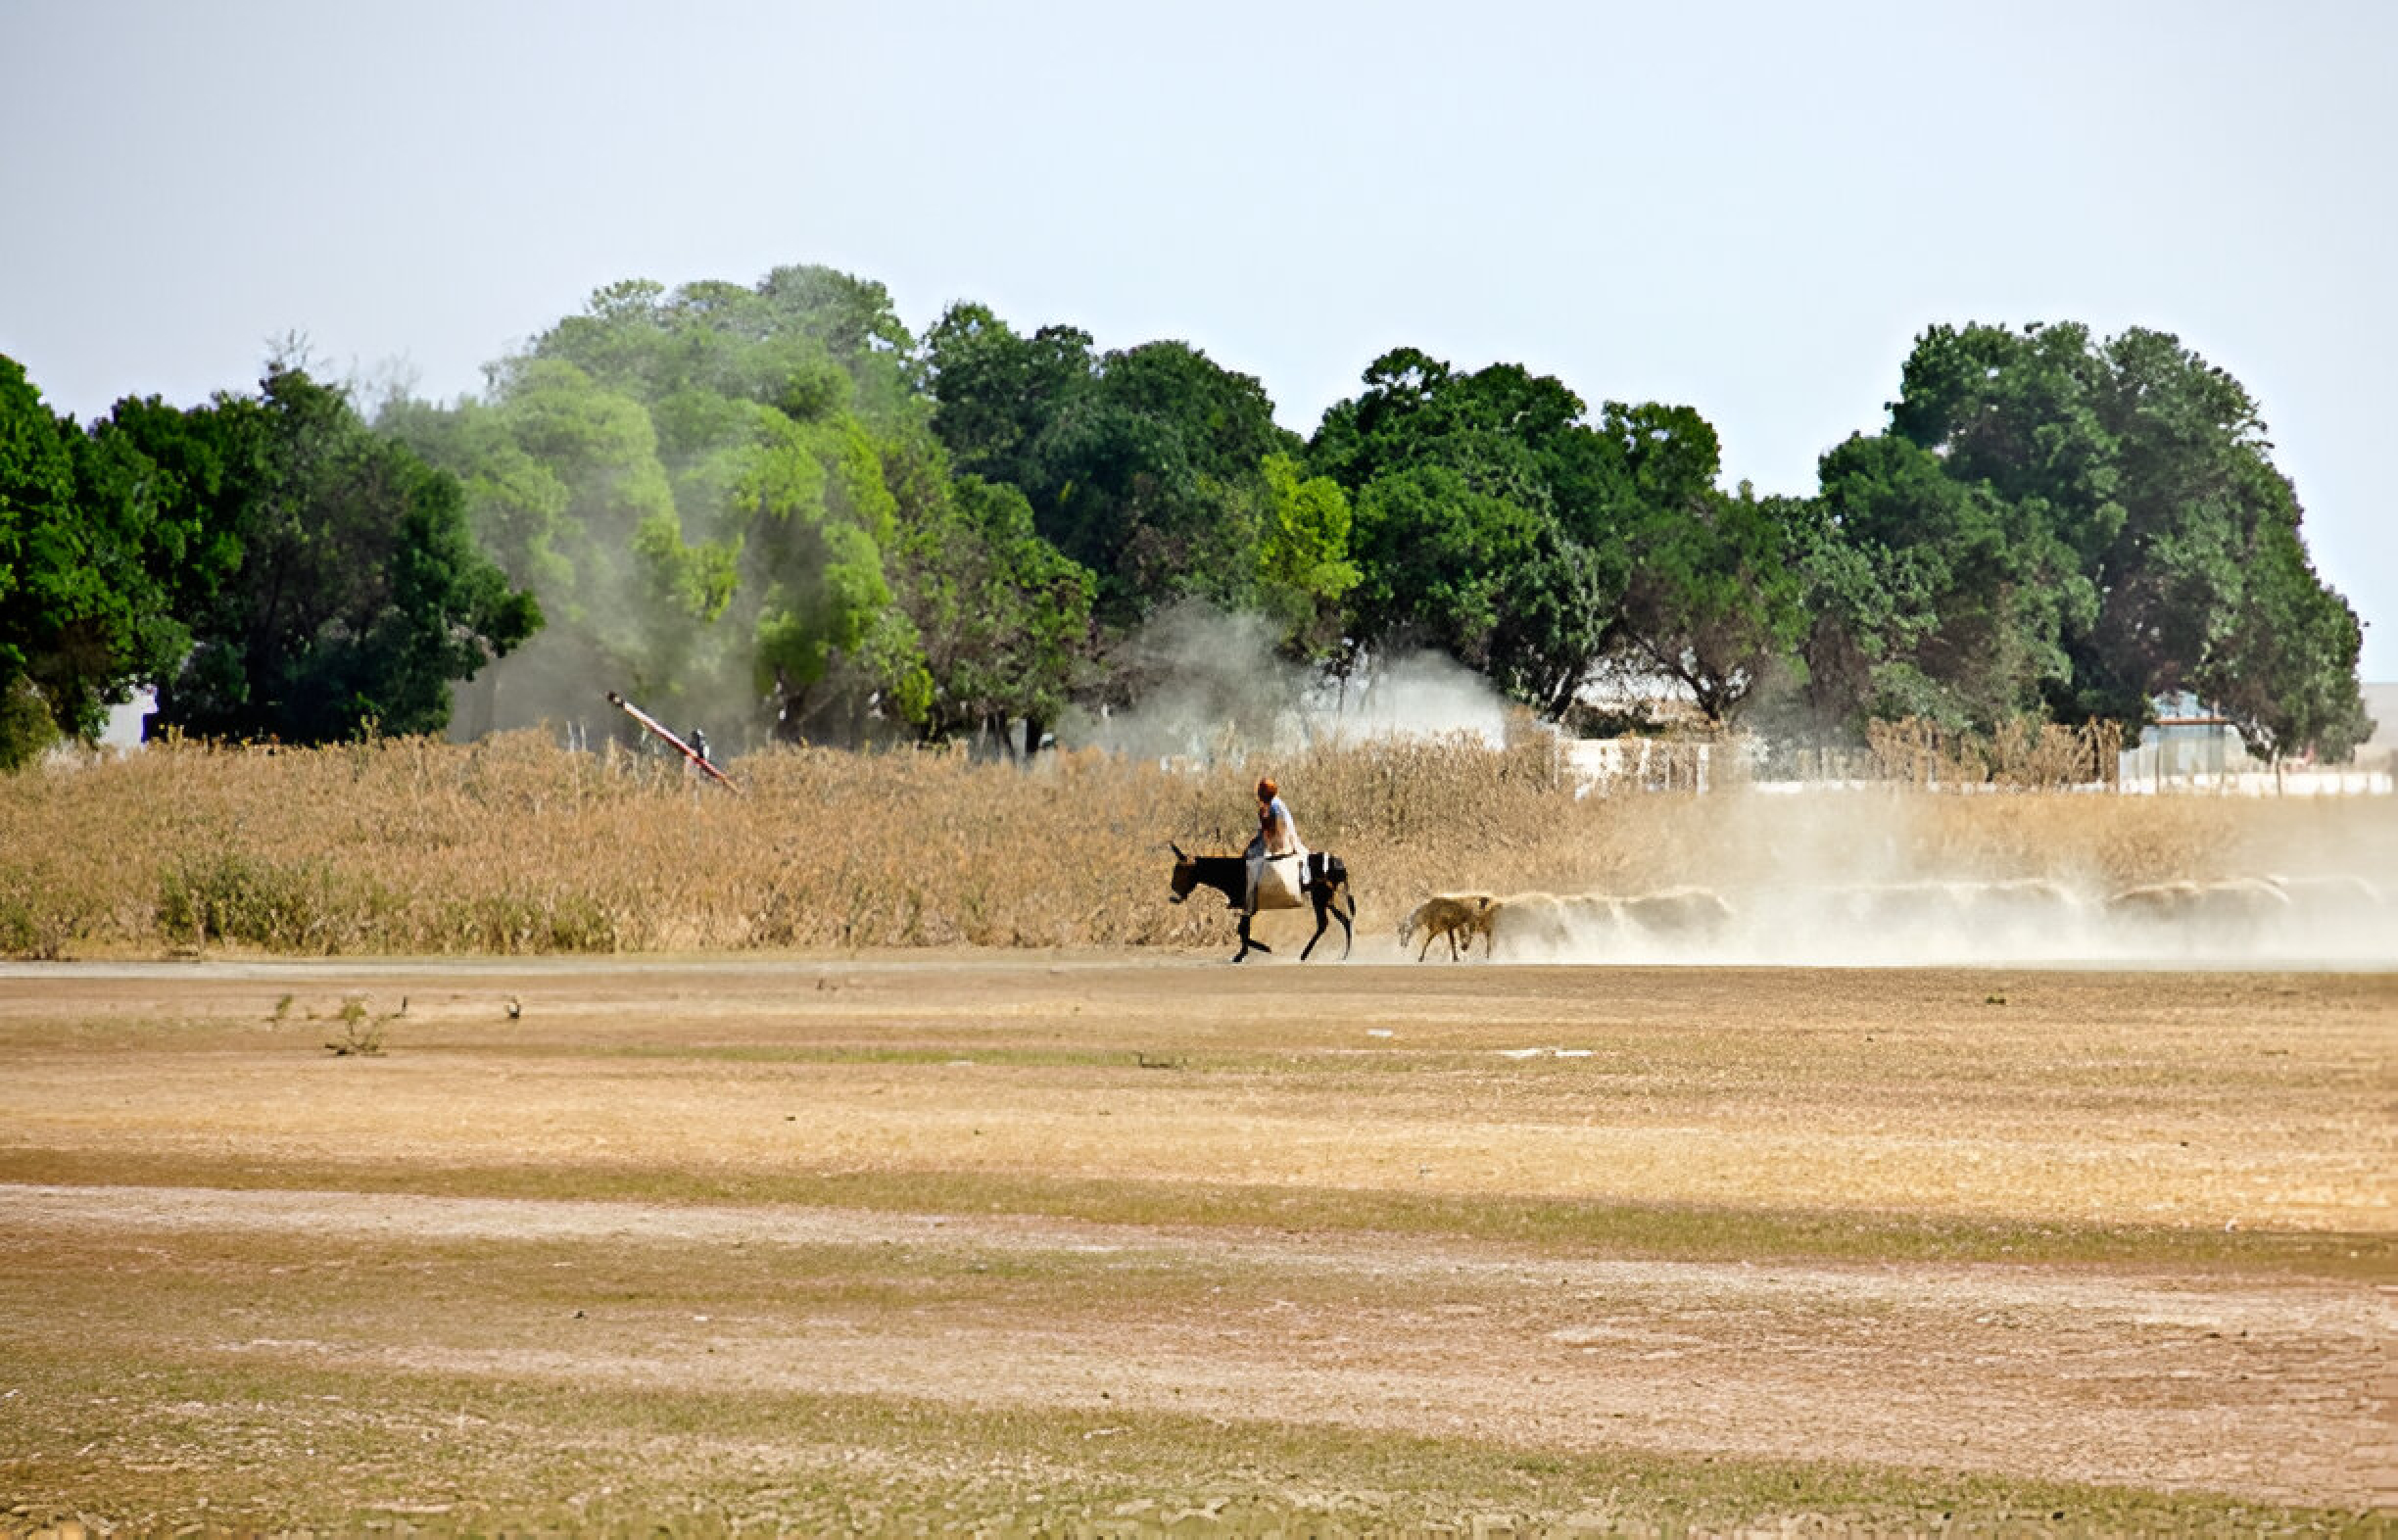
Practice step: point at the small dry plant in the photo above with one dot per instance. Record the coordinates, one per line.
(362, 1032)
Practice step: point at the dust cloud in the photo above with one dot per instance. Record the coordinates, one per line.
(1832, 878)
(1211, 685)
(1207, 684)
(553, 683)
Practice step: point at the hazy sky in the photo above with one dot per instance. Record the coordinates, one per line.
(1749, 207)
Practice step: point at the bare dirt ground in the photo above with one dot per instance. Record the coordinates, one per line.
(1135, 1243)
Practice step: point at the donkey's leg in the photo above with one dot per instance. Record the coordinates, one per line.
(1249, 943)
(1320, 926)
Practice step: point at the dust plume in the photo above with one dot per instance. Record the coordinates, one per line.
(1843, 878)
(1210, 685)
(554, 684)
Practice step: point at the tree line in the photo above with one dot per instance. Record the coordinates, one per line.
(776, 492)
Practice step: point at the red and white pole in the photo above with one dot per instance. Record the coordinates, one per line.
(680, 747)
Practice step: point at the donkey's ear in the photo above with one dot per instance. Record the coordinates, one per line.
(1177, 851)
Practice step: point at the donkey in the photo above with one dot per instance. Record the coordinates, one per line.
(1328, 878)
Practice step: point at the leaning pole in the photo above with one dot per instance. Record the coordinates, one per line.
(685, 749)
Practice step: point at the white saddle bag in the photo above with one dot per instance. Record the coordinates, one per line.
(1281, 883)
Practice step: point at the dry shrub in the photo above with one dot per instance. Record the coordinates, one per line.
(2019, 755)
(512, 845)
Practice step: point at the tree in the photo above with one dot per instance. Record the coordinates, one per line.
(1497, 520)
(1155, 482)
(564, 484)
(90, 553)
(1438, 558)
(43, 577)
(1715, 601)
(853, 322)
(1930, 597)
(823, 520)
(995, 393)
(2152, 469)
(1304, 571)
(1004, 618)
(358, 594)
(2285, 670)
(698, 482)
(1561, 611)
(1143, 466)
(2020, 412)
(1704, 595)
(1404, 409)
(1456, 535)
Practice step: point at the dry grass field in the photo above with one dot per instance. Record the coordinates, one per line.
(406, 1139)
(513, 847)
(1082, 1243)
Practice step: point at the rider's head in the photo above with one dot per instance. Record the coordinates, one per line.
(1266, 791)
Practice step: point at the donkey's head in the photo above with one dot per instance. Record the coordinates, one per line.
(1186, 873)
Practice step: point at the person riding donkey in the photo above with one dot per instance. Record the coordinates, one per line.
(1276, 842)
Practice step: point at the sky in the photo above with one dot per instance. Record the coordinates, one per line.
(1748, 207)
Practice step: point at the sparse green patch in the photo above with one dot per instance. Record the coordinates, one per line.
(361, 1033)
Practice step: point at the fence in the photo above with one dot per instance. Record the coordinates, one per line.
(1607, 765)
(2019, 756)
(2157, 770)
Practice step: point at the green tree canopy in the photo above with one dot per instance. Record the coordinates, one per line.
(1497, 520)
(1004, 618)
(726, 494)
(1714, 602)
(1146, 465)
(1459, 538)
(2135, 480)
(770, 497)
(67, 632)
(1930, 597)
(1304, 568)
(350, 592)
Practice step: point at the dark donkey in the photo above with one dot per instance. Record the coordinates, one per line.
(1228, 875)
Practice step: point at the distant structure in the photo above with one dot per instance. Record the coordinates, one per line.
(128, 724)
(2186, 745)
(2191, 748)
